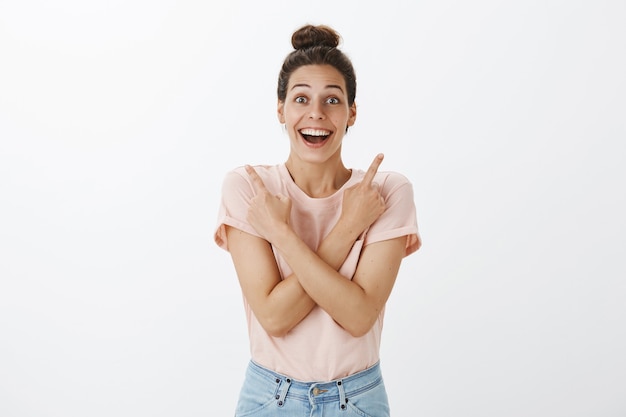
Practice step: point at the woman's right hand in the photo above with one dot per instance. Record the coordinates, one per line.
(267, 212)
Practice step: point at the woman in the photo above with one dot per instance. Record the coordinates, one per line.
(316, 247)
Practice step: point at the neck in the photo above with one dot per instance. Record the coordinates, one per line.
(318, 180)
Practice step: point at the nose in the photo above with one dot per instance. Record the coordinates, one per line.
(316, 111)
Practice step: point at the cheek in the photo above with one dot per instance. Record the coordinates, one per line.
(341, 120)
(291, 117)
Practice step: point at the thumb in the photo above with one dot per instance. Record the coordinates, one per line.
(283, 198)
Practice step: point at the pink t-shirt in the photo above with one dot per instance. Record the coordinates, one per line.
(317, 349)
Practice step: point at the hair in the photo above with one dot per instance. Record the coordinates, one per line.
(316, 45)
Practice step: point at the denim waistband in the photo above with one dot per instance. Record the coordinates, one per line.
(320, 392)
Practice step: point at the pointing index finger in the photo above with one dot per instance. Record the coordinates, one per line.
(257, 182)
(371, 171)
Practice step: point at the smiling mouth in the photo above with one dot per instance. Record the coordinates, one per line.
(315, 135)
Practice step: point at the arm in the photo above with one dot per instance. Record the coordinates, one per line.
(278, 304)
(354, 304)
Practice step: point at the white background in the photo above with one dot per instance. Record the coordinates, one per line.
(118, 120)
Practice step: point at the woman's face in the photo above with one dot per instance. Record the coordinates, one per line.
(315, 112)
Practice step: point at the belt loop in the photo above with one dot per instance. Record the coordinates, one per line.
(283, 392)
(342, 395)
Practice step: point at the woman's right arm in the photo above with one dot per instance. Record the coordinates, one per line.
(279, 305)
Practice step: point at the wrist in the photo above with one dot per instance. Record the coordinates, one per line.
(347, 229)
(281, 235)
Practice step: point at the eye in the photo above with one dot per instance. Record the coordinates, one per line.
(300, 99)
(332, 100)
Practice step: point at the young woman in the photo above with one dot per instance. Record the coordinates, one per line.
(316, 247)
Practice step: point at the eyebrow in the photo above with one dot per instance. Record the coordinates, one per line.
(328, 86)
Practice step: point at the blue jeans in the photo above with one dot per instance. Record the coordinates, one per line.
(268, 394)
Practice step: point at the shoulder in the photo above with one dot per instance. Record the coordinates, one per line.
(239, 178)
(389, 181)
(383, 177)
(396, 188)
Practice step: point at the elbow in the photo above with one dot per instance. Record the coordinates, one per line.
(359, 332)
(360, 327)
(279, 332)
(275, 328)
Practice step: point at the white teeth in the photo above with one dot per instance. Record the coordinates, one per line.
(315, 132)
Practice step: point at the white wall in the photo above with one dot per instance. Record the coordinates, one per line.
(118, 120)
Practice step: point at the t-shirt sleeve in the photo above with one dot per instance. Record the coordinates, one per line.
(399, 218)
(236, 194)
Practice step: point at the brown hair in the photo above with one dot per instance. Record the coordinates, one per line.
(316, 45)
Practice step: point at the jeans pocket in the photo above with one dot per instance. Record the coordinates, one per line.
(256, 396)
(253, 405)
(371, 403)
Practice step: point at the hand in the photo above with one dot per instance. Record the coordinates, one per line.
(362, 203)
(266, 212)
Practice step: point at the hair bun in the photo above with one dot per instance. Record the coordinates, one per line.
(308, 36)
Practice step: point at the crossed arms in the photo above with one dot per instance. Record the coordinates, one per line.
(280, 304)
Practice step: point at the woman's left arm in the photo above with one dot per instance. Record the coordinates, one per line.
(354, 304)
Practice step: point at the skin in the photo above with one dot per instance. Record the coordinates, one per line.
(315, 99)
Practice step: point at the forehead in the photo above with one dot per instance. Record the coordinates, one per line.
(317, 76)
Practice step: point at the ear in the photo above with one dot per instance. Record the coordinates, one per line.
(352, 114)
(280, 110)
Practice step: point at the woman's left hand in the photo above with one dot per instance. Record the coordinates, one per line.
(267, 212)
